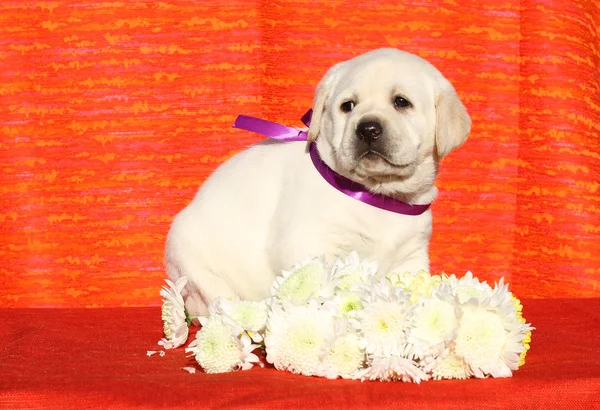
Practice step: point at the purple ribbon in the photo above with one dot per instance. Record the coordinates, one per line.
(269, 129)
(344, 185)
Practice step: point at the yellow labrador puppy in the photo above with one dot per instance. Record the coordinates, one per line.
(384, 120)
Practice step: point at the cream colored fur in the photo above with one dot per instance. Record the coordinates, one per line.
(268, 208)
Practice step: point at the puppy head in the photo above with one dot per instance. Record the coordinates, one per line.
(385, 119)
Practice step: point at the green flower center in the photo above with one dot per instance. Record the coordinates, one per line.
(303, 283)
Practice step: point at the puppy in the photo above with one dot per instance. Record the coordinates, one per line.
(384, 119)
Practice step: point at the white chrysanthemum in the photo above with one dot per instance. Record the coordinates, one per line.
(352, 272)
(433, 325)
(297, 337)
(491, 336)
(393, 368)
(345, 357)
(303, 281)
(174, 315)
(518, 332)
(217, 348)
(468, 287)
(420, 284)
(248, 315)
(348, 303)
(480, 341)
(527, 338)
(385, 321)
(449, 366)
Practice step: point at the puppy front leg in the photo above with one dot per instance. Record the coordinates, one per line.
(203, 285)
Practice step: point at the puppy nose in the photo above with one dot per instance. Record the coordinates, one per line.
(368, 131)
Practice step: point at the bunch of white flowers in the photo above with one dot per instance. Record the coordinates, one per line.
(346, 320)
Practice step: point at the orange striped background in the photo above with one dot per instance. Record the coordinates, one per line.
(113, 113)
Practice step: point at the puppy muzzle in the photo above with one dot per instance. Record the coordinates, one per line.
(369, 131)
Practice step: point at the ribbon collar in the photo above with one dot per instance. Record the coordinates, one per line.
(344, 185)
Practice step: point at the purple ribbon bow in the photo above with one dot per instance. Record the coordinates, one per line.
(346, 186)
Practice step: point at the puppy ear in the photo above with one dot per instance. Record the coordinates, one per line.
(321, 95)
(453, 121)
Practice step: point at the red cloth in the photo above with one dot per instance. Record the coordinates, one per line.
(113, 113)
(86, 358)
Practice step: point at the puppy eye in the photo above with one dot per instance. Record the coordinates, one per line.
(400, 102)
(347, 106)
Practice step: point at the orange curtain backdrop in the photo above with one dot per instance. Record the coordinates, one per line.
(113, 113)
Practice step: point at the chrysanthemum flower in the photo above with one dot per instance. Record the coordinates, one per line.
(420, 284)
(526, 346)
(468, 287)
(433, 325)
(248, 315)
(490, 335)
(392, 368)
(297, 337)
(527, 339)
(518, 332)
(304, 281)
(345, 357)
(347, 302)
(174, 315)
(384, 322)
(449, 366)
(218, 350)
(480, 341)
(352, 272)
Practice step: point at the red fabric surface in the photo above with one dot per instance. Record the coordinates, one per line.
(96, 358)
(113, 113)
